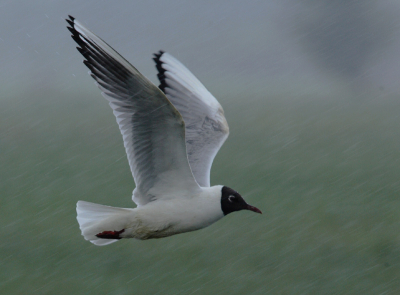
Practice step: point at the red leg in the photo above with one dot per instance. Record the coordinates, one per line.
(110, 234)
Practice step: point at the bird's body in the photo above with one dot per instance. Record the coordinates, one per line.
(157, 219)
(171, 135)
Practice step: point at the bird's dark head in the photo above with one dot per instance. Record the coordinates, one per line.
(232, 201)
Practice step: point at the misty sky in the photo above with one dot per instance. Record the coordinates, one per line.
(264, 43)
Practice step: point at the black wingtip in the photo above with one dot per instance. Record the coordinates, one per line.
(158, 54)
(160, 69)
(75, 36)
(71, 23)
(71, 29)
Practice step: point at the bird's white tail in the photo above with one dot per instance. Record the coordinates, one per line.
(95, 219)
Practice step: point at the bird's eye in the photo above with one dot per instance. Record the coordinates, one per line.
(231, 198)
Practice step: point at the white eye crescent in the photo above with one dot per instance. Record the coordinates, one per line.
(231, 198)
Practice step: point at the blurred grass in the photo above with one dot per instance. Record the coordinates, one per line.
(324, 170)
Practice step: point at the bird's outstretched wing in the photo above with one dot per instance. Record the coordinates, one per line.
(152, 129)
(206, 126)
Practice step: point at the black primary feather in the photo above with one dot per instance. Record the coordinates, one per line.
(161, 70)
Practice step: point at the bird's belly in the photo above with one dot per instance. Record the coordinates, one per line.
(145, 232)
(167, 223)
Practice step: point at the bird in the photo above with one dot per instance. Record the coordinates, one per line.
(171, 134)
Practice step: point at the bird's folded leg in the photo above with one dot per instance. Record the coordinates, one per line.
(110, 234)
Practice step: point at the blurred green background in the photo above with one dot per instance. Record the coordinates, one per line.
(316, 148)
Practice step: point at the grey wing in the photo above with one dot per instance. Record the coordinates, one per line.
(153, 130)
(206, 126)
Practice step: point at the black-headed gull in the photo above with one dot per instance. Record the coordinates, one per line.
(171, 135)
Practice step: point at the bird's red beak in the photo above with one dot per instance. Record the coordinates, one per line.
(254, 209)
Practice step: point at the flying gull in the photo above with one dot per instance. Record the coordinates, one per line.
(171, 135)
